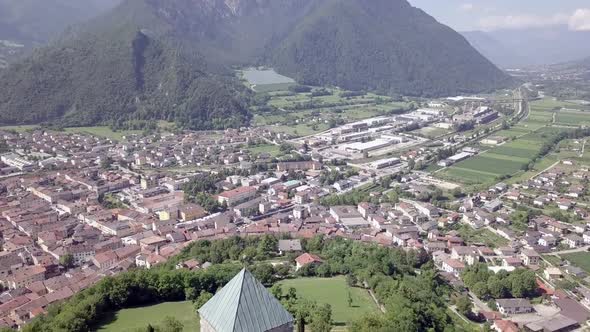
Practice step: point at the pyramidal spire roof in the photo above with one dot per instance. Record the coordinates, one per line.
(244, 305)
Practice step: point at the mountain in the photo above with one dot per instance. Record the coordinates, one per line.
(25, 24)
(532, 46)
(172, 59)
(383, 45)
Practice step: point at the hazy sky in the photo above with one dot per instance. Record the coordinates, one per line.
(463, 15)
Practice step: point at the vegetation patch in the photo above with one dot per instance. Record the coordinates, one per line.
(336, 293)
(133, 319)
(579, 259)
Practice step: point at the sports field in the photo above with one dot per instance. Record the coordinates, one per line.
(130, 320)
(334, 291)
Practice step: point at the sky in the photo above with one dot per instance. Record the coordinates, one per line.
(490, 15)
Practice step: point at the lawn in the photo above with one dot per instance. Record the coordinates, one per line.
(579, 259)
(135, 318)
(334, 291)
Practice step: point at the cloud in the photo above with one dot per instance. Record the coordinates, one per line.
(521, 21)
(580, 20)
(467, 7)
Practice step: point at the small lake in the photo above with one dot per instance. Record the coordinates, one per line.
(265, 76)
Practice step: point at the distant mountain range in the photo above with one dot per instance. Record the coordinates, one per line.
(531, 47)
(172, 59)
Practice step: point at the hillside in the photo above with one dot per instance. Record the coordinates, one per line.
(382, 45)
(171, 59)
(119, 77)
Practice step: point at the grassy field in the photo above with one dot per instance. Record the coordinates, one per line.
(484, 236)
(273, 150)
(19, 129)
(579, 259)
(103, 131)
(334, 291)
(431, 132)
(134, 318)
(461, 325)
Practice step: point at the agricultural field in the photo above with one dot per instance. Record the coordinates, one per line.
(573, 118)
(301, 114)
(505, 160)
(334, 291)
(551, 104)
(130, 320)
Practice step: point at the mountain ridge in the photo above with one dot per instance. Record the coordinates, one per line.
(348, 43)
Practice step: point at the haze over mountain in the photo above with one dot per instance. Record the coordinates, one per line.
(531, 46)
(32, 23)
(171, 59)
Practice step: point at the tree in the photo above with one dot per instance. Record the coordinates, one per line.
(203, 298)
(264, 273)
(171, 324)
(464, 306)
(66, 260)
(523, 283)
(457, 193)
(351, 280)
(277, 291)
(480, 289)
(497, 287)
(286, 147)
(106, 163)
(321, 319)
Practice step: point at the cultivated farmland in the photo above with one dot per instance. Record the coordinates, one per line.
(502, 161)
(573, 118)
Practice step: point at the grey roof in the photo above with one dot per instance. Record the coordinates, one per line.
(513, 303)
(244, 305)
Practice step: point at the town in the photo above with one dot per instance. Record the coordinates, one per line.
(77, 207)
